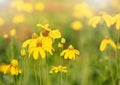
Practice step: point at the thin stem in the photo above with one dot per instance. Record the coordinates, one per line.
(111, 72)
(35, 74)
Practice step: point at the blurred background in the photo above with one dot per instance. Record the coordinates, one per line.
(71, 18)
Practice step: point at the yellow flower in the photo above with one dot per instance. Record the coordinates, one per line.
(57, 69)
(37, 49)
(108, 19)
(31, 42)
(23, 52)
(5, 36)
(77, 25)
(18, 19)
(27, 7)
(94, 21)
(82, 10)
(12, 68)
(70, 53)
(1, 22)
(17, 4)
(63, 40)
(117, 25)
(47, 32)
(60, 45)
(13, 32)
(105, 42)
(39, 6)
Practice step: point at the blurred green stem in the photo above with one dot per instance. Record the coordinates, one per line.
(35, 73)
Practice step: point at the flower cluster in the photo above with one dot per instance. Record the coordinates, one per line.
(107, 18)
(57, 69)
(11, 68)
(42, 43)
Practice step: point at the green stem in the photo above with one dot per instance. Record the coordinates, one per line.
(35, 74)
(111, 72)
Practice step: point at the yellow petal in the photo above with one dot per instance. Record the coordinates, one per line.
(63, 52)
(26, 43)
(94, 21)
(103, 45)
(42, 52)
(55, 34)
(35, 53)
(112, 44)
(118, 25)
(14, 62)
(13, 71)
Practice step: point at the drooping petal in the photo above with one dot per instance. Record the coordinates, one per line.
(13, 71)
(35, 53)
(26, 43)
(63, 52)
(42, 52)
(103, 45)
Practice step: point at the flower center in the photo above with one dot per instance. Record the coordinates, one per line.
(45, 33)
(39, 43)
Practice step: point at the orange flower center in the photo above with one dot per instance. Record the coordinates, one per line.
(45, 33)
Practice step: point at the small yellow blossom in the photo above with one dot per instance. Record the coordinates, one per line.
(23, 52)
(18, 19)
(70, 53)
(39, 6)
(27, 7)
(76, 25)
(94, 21)
(13, 32)
(57, 69)
(107, 41)
(12, 68)
(82, 10)
(1, 22)
(108, 19)
(5, 36)
(63, 40)
(60, 45)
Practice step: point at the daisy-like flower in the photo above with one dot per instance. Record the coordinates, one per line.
(47, 32)
(108, 19)
(57, 69)
(107, 41)
(31, 42)
(11, 68)
(35, 50)
(70, 53)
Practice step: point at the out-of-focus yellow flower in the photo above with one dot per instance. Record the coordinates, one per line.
(13, 32)
(12, 68)
(107, 41)
(1, 22)
(17, 4)
(18, 19)
(31, 42)
(82, 10)
(117, 25)
(76, 25)
(47, 32)
(23, 52)
(63, 40)
(108, 19)
(27, 7)
(94, 21)
(5, 36)
(37, 49)
(60, 45)
(70, 53)
(39, 6)
(57, 69)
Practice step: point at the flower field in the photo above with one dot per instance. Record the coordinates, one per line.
(59, 42)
